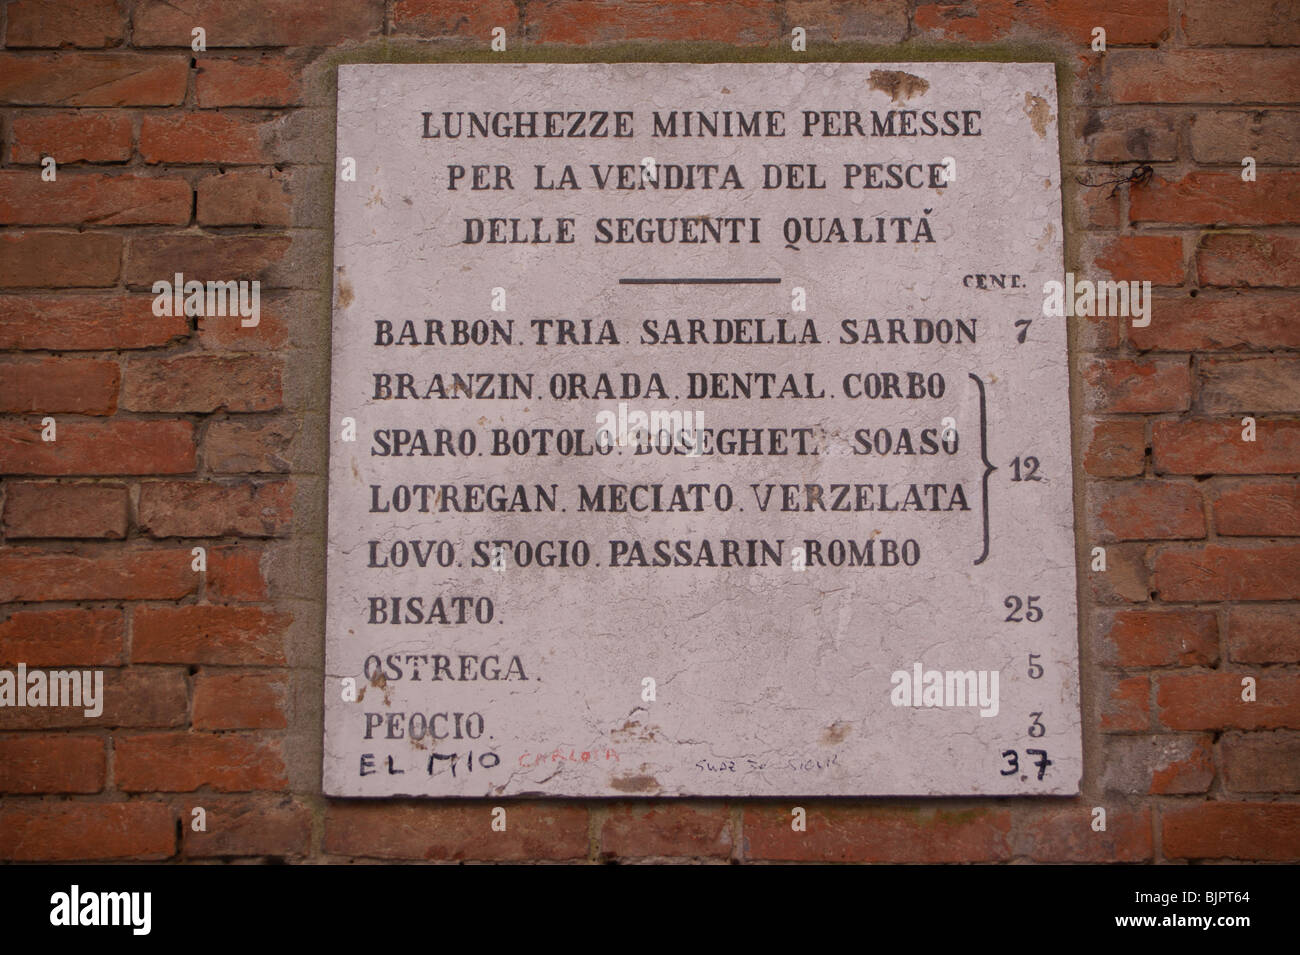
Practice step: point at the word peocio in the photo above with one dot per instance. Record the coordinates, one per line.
(55, 688)
(210, 299)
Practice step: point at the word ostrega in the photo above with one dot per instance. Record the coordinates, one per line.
(84, 688)
(209, 299)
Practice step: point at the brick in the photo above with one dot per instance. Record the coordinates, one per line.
(1126, 135)
(93, 322)
(28, 574)
(219, 334)
(204, 258)
(1250, 384)
(1066, 835)
(839, 21)
(1226, 136)
(63, 638)
(64, 832)
(1149, 510)
(1125, 579)
(80, 23)
(238, 447)
(1258, 510)
(397, 830)
(1116, 448)
(244, 197)
(1249, 23)
(1222, 830)
(215, 635)
(59, 260)
(867, 833)
(59, 386)
(257, 826)
(1235, 259)
(65, 510)
(258, 23)
(1124, 21)
(1202, 76)
(235, 575)
(1212, 701)
(1264, 634)
(202, 138)
(202, 383)
(1122, 385)
(49, 763)
(1126, 706)
(1158, 765)
(1098, 210)
(239, 701)
(93, 79)
(95, 199)
(1157, 259)
(72, 137)
(1218, 198)
(259, 79)
(670, 829)
(1216, 447)
(136, 697)
(1220, 322)
(469, 19)
(183, 762)
(203, 509)
(1158, 638)
(1228, 572)
(1261, 762)
(98, 447)
(744, 22)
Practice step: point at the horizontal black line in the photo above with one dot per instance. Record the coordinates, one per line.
(706, 281)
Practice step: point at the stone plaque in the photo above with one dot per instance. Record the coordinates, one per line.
(697, 430)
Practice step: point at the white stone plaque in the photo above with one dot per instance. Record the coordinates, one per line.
(698, 430)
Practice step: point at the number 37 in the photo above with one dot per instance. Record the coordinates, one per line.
(1013, 761)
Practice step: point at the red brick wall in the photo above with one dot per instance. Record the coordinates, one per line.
(181, 432)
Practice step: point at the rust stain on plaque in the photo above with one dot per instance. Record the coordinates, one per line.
(633, 730)
(1039, 113)
(837, 732)
(344, 290)
(634, 784)
(899, 85)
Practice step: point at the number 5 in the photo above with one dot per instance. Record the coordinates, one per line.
(1035, 669)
